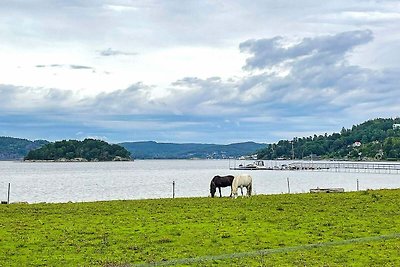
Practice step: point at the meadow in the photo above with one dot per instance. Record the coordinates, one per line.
(343, 229)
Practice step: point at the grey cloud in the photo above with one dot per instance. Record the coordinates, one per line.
(319, 81)
(133, 100)
(111, 52)
(80, 67)
(18, 99)
(204, 96)
(72, 66)
(268, 52)
(48, 66)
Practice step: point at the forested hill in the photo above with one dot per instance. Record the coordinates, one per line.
(154, 150)
(373, 139)
(73, 150)
(16, 148)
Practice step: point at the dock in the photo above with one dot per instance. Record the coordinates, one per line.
(367, 167)
(334, 166)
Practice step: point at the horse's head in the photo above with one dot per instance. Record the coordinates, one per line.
(213, 188)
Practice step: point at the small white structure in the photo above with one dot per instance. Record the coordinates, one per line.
(396, 126)
(357, 144)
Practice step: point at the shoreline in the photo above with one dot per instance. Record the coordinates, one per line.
(322, 192)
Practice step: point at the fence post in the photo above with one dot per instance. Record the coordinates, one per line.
(358, 186)
(8, 193)
(173, 189)
(288, 185)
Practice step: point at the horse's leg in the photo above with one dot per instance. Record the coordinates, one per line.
(231, 192)
(219, 188)
(249, 189)
(241, 189)
(234, 191)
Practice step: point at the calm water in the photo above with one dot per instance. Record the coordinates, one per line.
(76, 182)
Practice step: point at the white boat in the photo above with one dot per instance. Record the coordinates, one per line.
(256, 165)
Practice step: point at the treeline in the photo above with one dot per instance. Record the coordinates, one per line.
(373, 139)
(17, 148)
(88, 149)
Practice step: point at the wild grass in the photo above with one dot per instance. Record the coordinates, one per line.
(274, 230)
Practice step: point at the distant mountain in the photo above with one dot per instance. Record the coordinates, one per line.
(16, 148)
(154, 150)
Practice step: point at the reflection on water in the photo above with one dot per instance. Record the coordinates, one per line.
(92, 181)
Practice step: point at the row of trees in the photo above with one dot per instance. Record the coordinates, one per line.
(377, 137)
(89, 149)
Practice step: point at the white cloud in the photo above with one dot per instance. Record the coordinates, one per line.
(360, 17)
(121, 8)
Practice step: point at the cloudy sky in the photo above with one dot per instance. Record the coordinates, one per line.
(196, 71)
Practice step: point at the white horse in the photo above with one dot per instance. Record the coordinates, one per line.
(242, 180)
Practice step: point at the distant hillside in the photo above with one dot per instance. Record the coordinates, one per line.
(74, 150)
(154, 150)
(16, 148)
(372, 140)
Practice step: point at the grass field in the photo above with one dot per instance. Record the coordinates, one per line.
(344, 229)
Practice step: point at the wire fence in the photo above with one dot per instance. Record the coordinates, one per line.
(265, 252)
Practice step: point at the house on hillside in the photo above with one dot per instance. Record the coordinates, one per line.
(357, 144)
(396, 126)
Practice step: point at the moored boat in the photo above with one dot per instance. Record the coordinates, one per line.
(256, 165)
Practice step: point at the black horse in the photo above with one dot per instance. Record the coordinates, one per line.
(220, 181)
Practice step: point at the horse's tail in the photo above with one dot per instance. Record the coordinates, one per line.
(250, 186)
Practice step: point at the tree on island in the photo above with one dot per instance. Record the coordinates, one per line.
(88, 149)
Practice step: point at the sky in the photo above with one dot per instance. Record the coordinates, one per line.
(196, 71)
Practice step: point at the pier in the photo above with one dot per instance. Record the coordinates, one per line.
(334, 166)
(368, 167)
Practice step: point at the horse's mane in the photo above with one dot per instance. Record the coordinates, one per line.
(212, 184)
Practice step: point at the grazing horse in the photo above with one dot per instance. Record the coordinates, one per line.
(242, 180)
(220, 181)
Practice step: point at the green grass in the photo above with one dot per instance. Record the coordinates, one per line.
(274, 230)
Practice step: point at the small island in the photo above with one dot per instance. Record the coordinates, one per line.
(79, 151)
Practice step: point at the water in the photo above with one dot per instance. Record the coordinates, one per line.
(143, 179)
